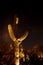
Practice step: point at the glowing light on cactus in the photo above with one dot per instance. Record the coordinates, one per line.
(17, 41)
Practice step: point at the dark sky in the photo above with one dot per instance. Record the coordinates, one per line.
(31, 21)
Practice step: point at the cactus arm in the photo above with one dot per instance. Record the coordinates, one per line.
(12, 36)
(23, 37)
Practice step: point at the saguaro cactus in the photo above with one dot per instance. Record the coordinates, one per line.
(17, 41)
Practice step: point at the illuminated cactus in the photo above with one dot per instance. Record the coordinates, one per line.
(17, 41)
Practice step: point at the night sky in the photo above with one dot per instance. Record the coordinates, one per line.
(31, 21)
